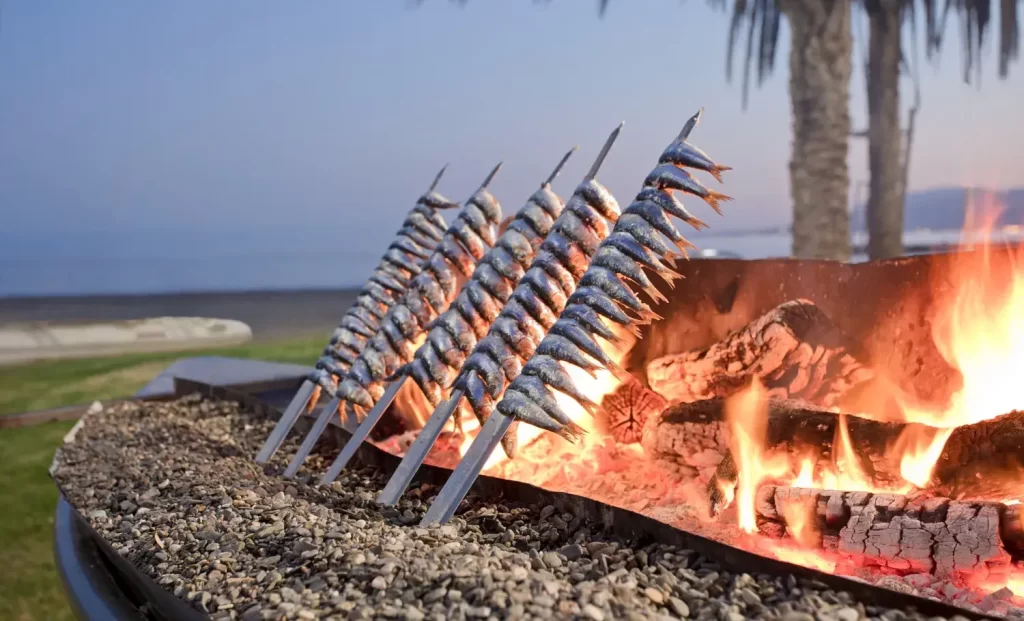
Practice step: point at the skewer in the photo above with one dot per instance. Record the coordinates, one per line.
(457, 485)
(416, 454)
(357, 439)
(286, 422)
(307, 392)
(371, 419)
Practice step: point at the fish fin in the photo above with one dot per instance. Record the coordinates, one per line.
(670, 277)
(313, 398)
(620, 373)
(697, 223)
(656, 295)
(510, 441)
(714, 198)
(717, 171)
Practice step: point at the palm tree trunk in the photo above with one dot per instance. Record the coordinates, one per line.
(820, 65)
(885, 140)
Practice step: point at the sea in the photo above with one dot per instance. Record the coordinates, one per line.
(210, 263)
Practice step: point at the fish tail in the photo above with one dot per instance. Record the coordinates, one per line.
(670, 276)
(313, 398)
(714, 198)
(697, 223)
(717, 170)
(655, 295)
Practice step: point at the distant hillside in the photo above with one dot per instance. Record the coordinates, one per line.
(943, 208)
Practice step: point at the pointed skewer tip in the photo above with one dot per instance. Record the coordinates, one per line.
(558, 167)
(604, 152)
(690, 124)
(437, 178)
(490, 177)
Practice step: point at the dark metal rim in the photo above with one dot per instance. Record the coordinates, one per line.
(99, 583)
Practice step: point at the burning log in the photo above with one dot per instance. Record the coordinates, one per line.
(974, 458)
(921, 534)
(625, 411)
(795, 349)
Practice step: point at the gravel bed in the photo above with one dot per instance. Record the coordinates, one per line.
(173, 487)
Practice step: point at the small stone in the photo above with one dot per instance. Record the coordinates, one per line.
(592, 612)
(654, 595)
(748, 597)
(797, 616)
(679, 607)
(379, 583)
(551, 559)
(572, 552)
(413, 614)
(847, 614)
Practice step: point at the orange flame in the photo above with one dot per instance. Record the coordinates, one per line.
(980, 334)
(746, 413)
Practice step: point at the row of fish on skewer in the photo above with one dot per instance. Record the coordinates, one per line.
(547, 293)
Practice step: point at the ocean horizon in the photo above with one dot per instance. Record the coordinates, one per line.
(229, 264)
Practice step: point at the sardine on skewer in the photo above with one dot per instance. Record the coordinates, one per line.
(520, 325)
(453, 334)
(420, 233)
(609, 289)
(429, 294)
(538, 299)
(448, 343)
(413, 243)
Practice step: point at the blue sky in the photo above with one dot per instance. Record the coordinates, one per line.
(253, 115)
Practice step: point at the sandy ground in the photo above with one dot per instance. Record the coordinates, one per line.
(270, 314)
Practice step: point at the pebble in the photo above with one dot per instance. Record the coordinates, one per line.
(236, 541)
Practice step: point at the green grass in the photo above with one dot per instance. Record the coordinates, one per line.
(29, 586)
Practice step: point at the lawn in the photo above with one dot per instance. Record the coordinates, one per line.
(29, 586)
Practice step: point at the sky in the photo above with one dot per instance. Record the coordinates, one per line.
(248, 122)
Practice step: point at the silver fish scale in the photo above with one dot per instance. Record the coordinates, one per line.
(429, 294)
(401, 262)
(537, 299)
(607, 291)
(499, 270)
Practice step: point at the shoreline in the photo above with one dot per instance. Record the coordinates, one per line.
(271, 314)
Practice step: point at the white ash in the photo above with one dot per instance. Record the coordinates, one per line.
(173, 488)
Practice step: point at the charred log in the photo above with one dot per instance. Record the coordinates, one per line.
(982, 459)
(913, 534)
(795, 350)
(625, 411)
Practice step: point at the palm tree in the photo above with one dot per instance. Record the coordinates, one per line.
(820, 67)
(888, 147)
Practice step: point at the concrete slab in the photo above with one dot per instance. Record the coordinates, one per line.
(25, 342)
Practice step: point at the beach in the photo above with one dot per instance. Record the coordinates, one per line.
(270, 314)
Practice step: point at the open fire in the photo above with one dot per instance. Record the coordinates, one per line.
(785, 440)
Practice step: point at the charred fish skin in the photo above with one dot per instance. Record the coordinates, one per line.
(605, 292)
(402, 261)
(467, 321)
(538, 299)
(430, 293)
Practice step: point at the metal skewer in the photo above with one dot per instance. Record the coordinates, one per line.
(431, 431)
(306, 392)
(368, 423)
